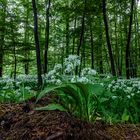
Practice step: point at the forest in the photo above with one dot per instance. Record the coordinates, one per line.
(69, 69)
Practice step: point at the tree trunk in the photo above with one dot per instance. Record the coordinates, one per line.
(108, 39)
(127, 57)
(92, 51)
(73, 47)
(38, 59)
(2, 30)
(100, 49)
(67, 34)
(1, 53)
(26, 40)
(47, 37)
(82, 32)
(15, 62)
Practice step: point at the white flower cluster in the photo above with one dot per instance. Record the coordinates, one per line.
(79, 79)
(26, 78)
(53, 76)
(88, 71)
(128, 88)
(70, 63)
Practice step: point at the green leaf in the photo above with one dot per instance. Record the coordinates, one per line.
(125, 116)
(52, 107)
(47, 90)
(98, 89)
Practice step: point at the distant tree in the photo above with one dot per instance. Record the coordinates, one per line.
(127, 57)
(2, 34)
(37, 43)
(82, 31)
(47, 29)
(108, 39)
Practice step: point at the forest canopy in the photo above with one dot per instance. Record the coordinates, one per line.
(104, 34)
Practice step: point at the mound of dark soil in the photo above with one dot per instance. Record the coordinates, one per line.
(21, 122)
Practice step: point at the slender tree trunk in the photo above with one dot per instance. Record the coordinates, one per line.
(92, 51)
(73, 47)
(2, 30)
(135, 48)
(117, 55)
(108, 39)
(14, 51)
(100, 50)
(15, 62)
(137, 55)
(1, 53)
(38, 58)
(26, 40)
(1, 62)
(127, 57)
(82, 32)
(47, 37)
(67, 35)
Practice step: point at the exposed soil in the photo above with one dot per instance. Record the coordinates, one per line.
(21, 122)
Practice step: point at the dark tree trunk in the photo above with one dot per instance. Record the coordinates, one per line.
(1, 62)
(82, 32)
(108, 39)
(15, 62)
(1, 54)
(67, 35)
(73, 47)
(127, 57)
(47, 37)
(92, 51)
(38, 58)
(100, 50)
(26, 68)
(2, 30)
(26, 40)
(136, 40)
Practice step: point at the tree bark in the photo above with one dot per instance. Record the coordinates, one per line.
(73, 47)
(47, 37)
(67, 34)
(127, 57)
(15, 62)
(82, 32)
(1, 54)
(92, 51)
(2, 30)
(82, 29)
(108, 39)
(26, 40)
(38, 58)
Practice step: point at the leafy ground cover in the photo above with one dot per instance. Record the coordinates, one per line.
(69, 106)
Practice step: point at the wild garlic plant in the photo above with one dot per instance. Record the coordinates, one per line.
(16, 90)
(56, 76)
(123, 87)
(71, 63)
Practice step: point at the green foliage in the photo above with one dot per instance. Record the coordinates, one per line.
(113, 101)
(77, 98)
(95, 101)
(52, 107)
(16, 95)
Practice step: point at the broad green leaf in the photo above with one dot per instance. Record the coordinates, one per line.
(52, 107)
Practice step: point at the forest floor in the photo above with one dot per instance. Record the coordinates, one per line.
(21, 122)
